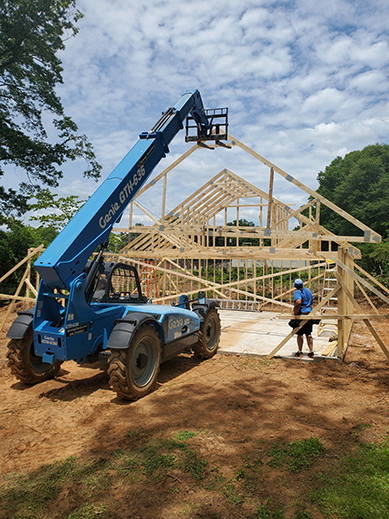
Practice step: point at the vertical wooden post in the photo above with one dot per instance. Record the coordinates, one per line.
(318, 204)
(269, 208)
(254, 276)
(315, 245)
(28, 278)
(281, 269)
(225, 225)
(344, 304)
(191, 273)
(246, 274)
(230, 274)
(164, 279)
(206, 270)
(164, 199)
(290, 282)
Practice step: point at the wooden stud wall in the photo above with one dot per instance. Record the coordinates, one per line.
(189, 251)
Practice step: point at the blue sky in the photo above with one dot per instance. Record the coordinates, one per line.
(304, 82)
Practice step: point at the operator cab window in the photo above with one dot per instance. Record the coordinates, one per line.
(119, 285)
(123, 285)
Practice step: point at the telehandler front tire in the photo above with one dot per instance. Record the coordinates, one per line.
(133, 371)
(209, 336)
(25, 365)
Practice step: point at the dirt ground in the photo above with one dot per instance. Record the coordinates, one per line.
(235, 397)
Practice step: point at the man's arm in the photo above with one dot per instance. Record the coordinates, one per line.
(297, 306)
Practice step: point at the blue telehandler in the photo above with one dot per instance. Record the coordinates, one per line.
(87, 309)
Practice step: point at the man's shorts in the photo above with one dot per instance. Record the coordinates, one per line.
(306, 329)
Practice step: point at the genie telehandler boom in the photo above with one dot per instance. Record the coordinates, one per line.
(88, 310)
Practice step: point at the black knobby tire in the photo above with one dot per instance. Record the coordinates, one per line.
(25, 365)
(133, 371)
(209, 336)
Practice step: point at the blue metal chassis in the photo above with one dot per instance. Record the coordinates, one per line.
(84, 328)
(76, 329)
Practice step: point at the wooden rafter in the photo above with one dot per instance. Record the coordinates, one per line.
(185, 242)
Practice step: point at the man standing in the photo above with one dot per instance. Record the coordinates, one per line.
(302, 298)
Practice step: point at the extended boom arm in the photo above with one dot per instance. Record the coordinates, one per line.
(67, 255)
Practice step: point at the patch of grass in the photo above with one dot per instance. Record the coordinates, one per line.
(214, 479)
(158, 463)
(29, 495)
(131, 463)
(151, 460)
(358, 486)
(240, 474)
(154, 458)
(232, 495)
(262, 512)
(295, 456)
(268, 510)
(351, 487)
(89, 512)
(184, 435)
(131, 433)
(194, 465)
(302, 514)
(119, 453)
(361, 427)
(145, 460)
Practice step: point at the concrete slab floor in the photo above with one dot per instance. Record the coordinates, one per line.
(258, 333)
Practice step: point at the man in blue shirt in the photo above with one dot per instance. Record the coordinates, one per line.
(302, 298)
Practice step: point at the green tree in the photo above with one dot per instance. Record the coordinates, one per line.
(31, 34)
(15, 242)
(246, 241)
(359, 184)
(61, 209)
(117, 241)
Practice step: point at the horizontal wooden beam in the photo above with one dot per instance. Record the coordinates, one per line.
(18, 298)
(332, 317)
(238, 232)
(253, 253)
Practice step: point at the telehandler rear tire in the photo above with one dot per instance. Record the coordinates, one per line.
(209, 336)
(25, 365)
(133, 371)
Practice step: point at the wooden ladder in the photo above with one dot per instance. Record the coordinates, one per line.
(329, 281)
(148, 276)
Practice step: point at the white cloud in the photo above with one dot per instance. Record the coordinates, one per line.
(303, 81)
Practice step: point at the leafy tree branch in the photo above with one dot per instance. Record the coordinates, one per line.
(31, 35)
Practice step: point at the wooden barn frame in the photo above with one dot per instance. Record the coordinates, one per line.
(247, 268)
